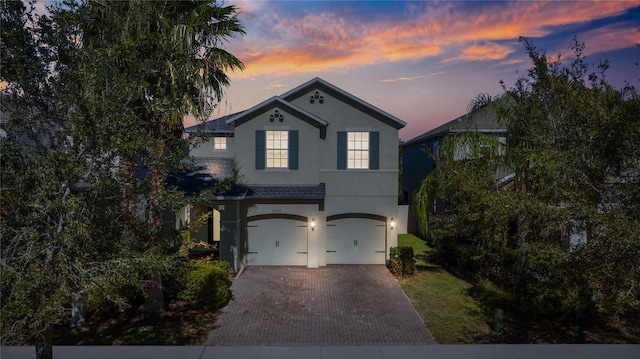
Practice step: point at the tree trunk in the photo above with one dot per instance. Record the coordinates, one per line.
(154, 303)
(155, 298)
(44, 344)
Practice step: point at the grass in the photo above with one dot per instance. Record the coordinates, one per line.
(453, 315)
(442, 299)
(183, 323)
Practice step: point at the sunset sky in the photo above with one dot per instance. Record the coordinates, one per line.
(422, 61)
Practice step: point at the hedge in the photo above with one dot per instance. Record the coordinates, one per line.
(401, 260)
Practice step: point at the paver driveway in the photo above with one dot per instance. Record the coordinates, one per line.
(333, 305)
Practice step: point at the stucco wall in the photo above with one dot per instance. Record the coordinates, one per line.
(342, 117)
(206, 149)
(309, 144)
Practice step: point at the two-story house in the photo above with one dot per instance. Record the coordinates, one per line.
(317, 180)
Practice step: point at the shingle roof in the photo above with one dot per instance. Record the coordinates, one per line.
(308, 192)
(482, 122)
(218, 125)
(217, 168)
(206, 175)
(276, 102)
(227, 123)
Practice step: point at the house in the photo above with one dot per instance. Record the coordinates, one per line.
(417, 160)
(317, 180)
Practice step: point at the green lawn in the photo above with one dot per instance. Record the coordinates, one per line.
(442, 299)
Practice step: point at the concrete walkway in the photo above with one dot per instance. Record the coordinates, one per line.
(328, 306)
(498, 351)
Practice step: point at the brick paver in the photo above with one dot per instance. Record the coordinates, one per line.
(333, 305)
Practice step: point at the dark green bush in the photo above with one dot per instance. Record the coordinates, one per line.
(207, 284)
(174, 282)
(401, 260)
(218, 263)
(115, 297)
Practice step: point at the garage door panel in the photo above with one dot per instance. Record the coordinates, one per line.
(277, 242)
(356, 241)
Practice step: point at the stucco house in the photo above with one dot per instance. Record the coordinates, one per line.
(317, 180)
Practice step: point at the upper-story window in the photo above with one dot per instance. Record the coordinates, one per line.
(357, 150)
(219, 143)
(276, 149)
(277, 146)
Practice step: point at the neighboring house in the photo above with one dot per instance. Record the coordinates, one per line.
(417, 161)
(317, 184)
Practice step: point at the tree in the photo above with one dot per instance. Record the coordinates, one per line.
(55, 188)
(563, 238)
(90, 95)
(173, 52)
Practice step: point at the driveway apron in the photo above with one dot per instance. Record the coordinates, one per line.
(333, 305)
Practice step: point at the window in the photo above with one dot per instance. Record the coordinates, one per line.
(357, 150)
(277, 148)
(219, 143)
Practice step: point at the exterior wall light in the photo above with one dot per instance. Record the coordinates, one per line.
(313, 224)
(392, 223)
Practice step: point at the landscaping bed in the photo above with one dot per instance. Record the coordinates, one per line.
(182, 323)
(193, 294)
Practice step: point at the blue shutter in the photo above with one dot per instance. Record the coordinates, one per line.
(374, 150)
(342, 150)
(293, 150)
(261, 153)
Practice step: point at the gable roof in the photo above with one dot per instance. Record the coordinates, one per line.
(218, 125)
(482, 123)
(330, 89)
(276, 102)
(226, 124)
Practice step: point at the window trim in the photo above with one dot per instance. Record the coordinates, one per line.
(277, 145)
(215, 143)
(261, 149)
(358, 150)
(374, 150)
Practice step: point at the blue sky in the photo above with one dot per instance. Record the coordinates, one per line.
(422, 61)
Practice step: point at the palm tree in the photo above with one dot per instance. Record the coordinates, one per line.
(169, 57)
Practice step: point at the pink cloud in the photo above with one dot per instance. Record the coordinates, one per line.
(483, 52)
(283, 44)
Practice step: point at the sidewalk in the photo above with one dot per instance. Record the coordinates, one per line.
(488, 351)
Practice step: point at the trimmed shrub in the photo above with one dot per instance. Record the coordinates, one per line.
(207, 284)
(401, 260)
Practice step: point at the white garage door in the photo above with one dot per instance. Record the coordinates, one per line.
(356, 241)
(277, 242)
